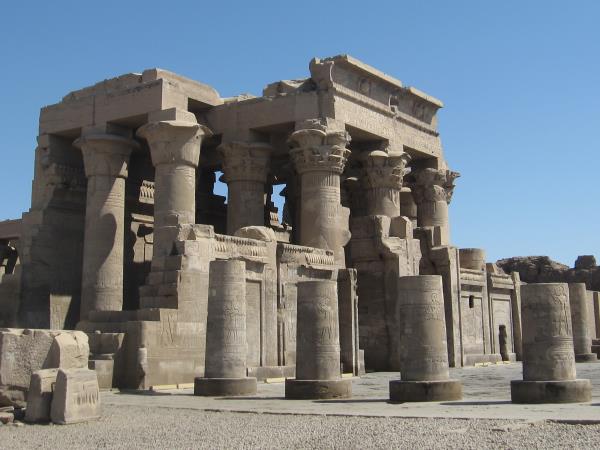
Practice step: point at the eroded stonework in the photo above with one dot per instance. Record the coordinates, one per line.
(125, 224)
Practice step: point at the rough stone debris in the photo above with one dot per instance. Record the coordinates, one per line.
(125, 224)
(23, 351)
(76, 397)
(39, 396)
(549, 374)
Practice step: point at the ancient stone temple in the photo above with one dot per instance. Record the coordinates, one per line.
(125, 221)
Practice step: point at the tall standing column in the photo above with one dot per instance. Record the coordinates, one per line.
(106, 159)
(245, 166)
(174, 138)
(383, 182)
(226, 339)
(582, 343)
(320, 156)
(318, 368)
(549, 374)
(432, 193)
(423, 347)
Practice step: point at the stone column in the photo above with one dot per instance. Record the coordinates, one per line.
(432, 192)
(174, 138)
(549, 374)
(383, 182)
(226, 345)
(318, 370)
(423, 346)
(515, 301)
(245, 168)
(408, 207)
(106, 159)
(320, 156)
(582, 343)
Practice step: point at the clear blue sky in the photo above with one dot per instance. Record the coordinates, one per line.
(520, 81)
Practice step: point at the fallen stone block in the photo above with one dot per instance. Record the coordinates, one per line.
(76, 397)
(39, 397)
(70, 351)
(23, 351)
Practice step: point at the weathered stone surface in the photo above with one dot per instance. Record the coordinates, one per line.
(582, 342)
(23, 351)
(39, 396)
(549, 373)
(69, 351)
(76, 397)
(423, 345)
(541, 269)
(318, 344)
(226, 337)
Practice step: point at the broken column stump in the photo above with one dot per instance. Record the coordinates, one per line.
(549, 374)
(582, 342)
(423, 344)
(318, 371)
(226, 346)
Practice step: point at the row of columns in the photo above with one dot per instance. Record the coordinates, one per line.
(319, 153)
(174, 138)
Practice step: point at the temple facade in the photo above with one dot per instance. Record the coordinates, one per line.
(124, 222)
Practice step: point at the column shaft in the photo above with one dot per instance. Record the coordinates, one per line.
(245, 168)
(102, 275)
(320, 156)
(174, 138)
(106, 159)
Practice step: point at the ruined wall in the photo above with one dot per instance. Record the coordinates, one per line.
(541, 269)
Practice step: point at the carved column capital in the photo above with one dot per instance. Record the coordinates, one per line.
(383, 170)
(246, 161)
(318, 148)
(174, 141)
(432, 185)
(106, 154)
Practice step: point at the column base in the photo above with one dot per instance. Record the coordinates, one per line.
(425, 391)
(317, 389)
(572, 391)
(586, 357)
(224, 387)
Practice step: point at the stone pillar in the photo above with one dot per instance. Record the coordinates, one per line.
(383, 182)
(515, 301)
(472, 258)
(106, 160)
(320, 156)
(423, 347)
(174, 138)
(245, 168)
(226, 345)
(582, 343)
(432, 192)
(318, 371)
(549, 374)
(408, 207)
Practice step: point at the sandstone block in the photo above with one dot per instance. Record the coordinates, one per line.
(76, 397)
(39, 397)
(23, 351)
(70, 351)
